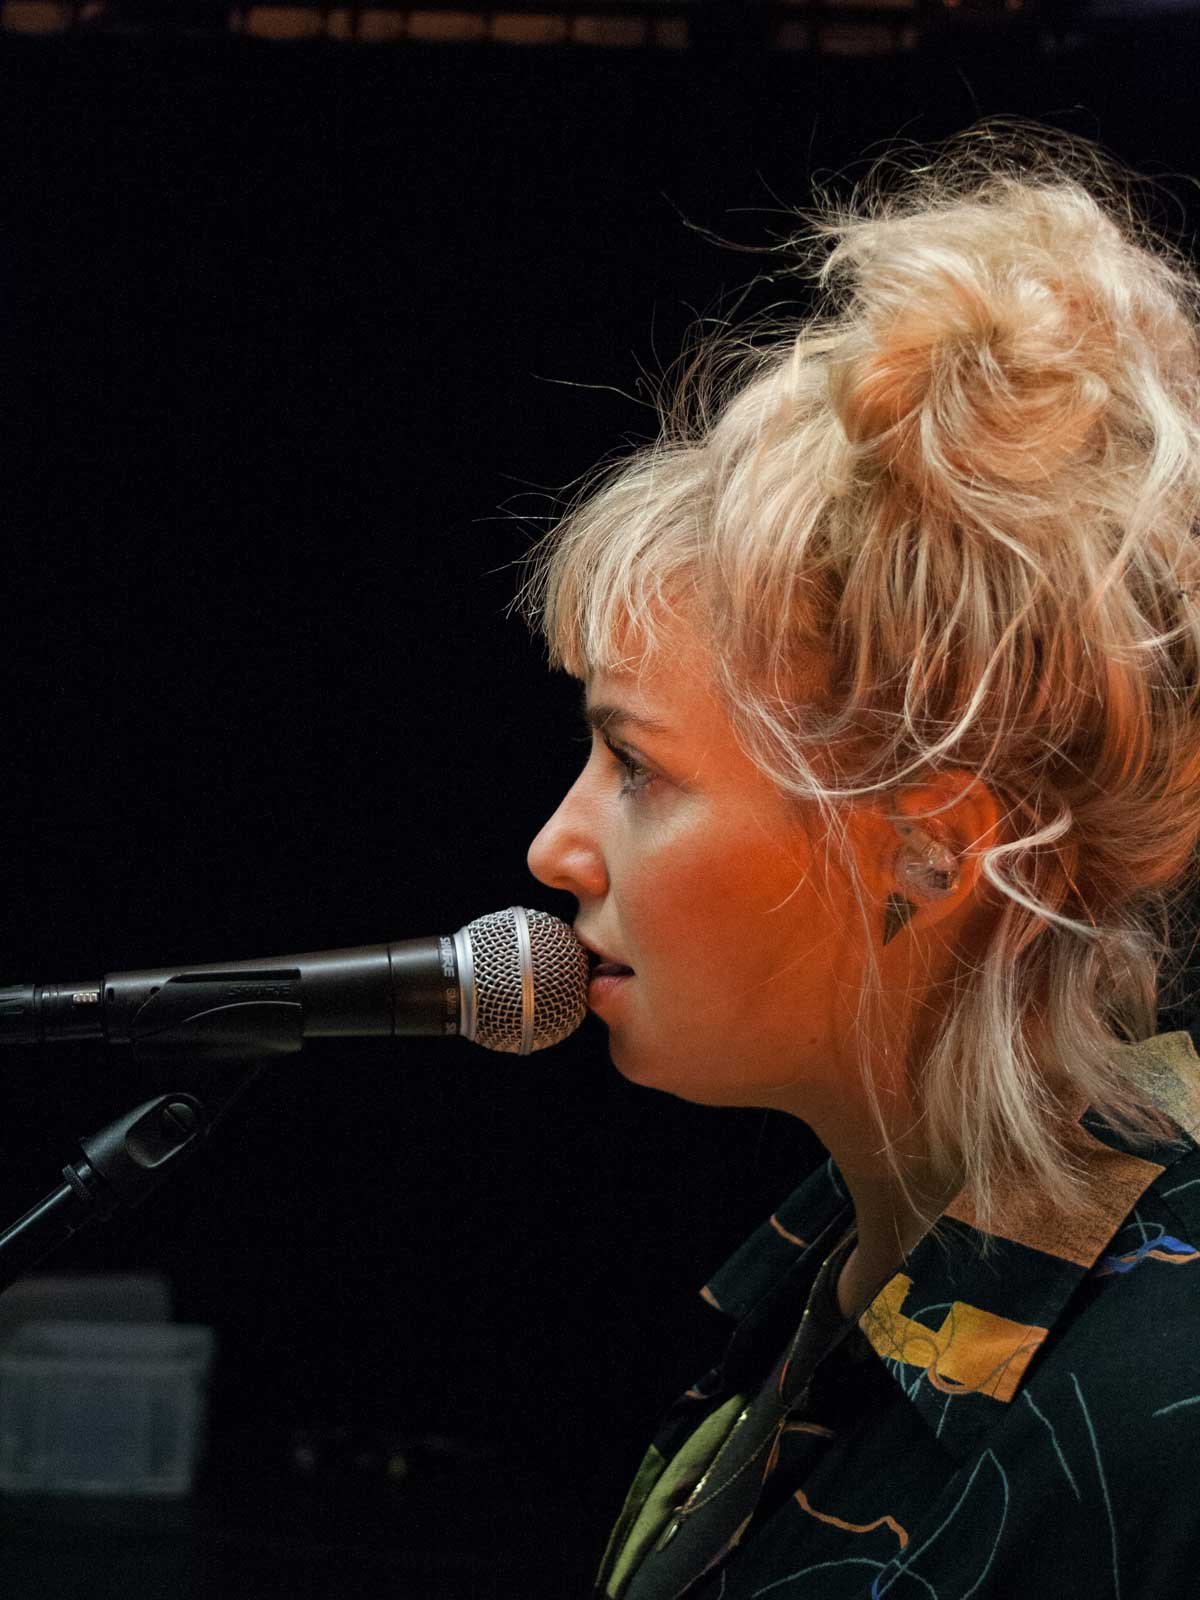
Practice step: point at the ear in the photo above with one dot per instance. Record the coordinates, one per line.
(954, 812)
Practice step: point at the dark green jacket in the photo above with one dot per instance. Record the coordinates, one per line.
(1021, 1428)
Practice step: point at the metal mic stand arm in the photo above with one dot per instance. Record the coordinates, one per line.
(121, 1165)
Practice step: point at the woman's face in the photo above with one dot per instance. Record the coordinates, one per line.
(691, 868)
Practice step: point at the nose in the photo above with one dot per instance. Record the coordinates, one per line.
(566, 853)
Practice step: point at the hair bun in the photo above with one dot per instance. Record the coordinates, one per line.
(984, 352)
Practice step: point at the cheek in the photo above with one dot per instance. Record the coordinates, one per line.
(704, 910)
(661, 885)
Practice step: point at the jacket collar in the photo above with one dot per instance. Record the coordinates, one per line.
(957, 1333)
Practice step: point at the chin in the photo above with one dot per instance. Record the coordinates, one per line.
(686, 1080)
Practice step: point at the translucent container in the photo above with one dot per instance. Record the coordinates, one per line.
(103, 1408)
(85, 1296)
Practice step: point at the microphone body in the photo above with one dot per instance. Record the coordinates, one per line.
(515, 980)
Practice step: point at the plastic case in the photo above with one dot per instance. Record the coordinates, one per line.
(103, 1408)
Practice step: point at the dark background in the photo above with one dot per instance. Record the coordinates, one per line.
(299, 343)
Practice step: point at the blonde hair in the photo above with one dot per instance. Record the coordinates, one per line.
(969, 482)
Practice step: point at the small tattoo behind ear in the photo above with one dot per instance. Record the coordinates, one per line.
(899, 910)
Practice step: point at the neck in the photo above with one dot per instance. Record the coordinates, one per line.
(888, 1227)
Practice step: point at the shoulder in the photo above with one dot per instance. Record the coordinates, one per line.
(1122, 1379)
(1146, 1282)
(1147, 1276)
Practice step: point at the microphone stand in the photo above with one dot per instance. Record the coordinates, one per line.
(128, 1159)
(121, 1165)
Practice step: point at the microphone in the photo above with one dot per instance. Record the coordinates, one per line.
(513, 980)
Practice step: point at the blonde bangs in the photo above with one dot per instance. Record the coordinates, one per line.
(622, 560)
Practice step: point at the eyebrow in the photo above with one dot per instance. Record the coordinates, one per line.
(602, 717)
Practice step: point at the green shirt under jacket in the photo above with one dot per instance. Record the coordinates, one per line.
(1025, 1428)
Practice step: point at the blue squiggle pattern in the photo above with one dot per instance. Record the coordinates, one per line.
(1134, 1258)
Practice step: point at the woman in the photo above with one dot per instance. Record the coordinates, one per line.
(893, 678)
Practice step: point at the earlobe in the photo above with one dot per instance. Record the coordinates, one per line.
(898, 912)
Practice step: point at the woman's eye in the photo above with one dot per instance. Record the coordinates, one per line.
(637, 776)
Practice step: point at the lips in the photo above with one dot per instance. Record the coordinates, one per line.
(600, 963)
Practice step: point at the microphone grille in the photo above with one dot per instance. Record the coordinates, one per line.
(531, 979)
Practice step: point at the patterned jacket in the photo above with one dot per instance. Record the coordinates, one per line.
(1021, 1428)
